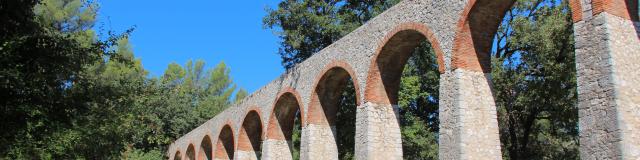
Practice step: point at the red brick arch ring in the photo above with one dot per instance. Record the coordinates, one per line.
(191, 151)
(480, 20)
(205, 151)
(225, 144)
(282, 118)
(251, 131)
(327, 88)
(383, 79)
(177, 155)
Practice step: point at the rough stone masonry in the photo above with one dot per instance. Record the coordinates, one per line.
(461, 32)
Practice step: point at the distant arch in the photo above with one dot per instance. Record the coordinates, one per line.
(177, 155)
(385, 70)
(225, 143)
(250, 137)
(283, 115)
(191, 153)
(327, 89)
(325, 135)
(281, 124)
(206, 148)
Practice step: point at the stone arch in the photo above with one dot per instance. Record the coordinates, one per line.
(320, 126)
(250, 137)
(383, 84)
(225, 143)
(474, 37)
(191, 152)
(327, 90)
(330, 81)
(283, 115)
(480, 20)
(281, 124)
(383, 79)
(206, 148)
(177, 155)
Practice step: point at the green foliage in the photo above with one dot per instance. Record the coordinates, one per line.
(136, 154)
(204, 92)
(418, 139)
(241, 94)
(68, 95)
(346, 122)
(296, 137)
(40, 68)
(534, 82)
(67, 15)
(418, 104)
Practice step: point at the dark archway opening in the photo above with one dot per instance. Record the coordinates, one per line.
(224, 145)
(191, 152)
(177, 156)
(410, 73)
(250, 139)
(285, 123)
(206, 149)
(335, 105)
(634, 9)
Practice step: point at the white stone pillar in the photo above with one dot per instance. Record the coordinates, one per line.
(245, 155)
(468, 120)
(607, 62)
(318, 142)
(378, 132)
(273, 149)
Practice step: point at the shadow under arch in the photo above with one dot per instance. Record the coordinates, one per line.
(282, 121)
(383, 79)
(406, 41)
(191, 152)
(225, 143)
(206, 148)
(250, 137)
(177, 155)
(321, 120)
(327, 91)
(474, 36)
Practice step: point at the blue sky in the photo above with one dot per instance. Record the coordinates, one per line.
(214, 31)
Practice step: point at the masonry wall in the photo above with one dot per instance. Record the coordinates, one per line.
(469, 128)
(607, 56)
(355, 49)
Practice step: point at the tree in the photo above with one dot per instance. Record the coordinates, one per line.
(241, 94)
(307, 26)
(69, 95)
(180, 100)
(418, 104)
(40, 65)
(534, 81)
(109, 95)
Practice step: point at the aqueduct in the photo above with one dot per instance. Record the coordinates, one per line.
(461, 31)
